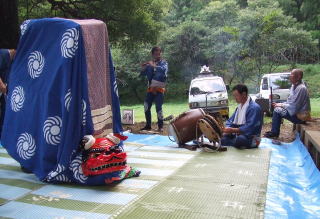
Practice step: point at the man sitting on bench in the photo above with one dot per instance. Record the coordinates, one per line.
(297, 107)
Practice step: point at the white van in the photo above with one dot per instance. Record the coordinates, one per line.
(209, 92)
(277, 83)
(280, 85)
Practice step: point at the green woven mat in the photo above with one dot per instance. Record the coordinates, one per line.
(231, 184)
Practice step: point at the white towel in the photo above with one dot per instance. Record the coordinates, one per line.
(240, 117)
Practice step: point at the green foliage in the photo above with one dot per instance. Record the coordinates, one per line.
(184, 48)
(131, 86)
(169, 108)
(282, 84)
(130, 22)
(305, 11)
(239, 39)
(237, 43)
(184, 10)
(311, 77)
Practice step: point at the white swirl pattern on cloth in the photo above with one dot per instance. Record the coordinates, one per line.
(115, 87)
(17, 99)
(60, 168)
(26, 146)
(77, 169)
(62, 178)
(57, 175)
(69, 43)
(24, 27)
(36, 63)
(84, 112)
(52, 130)
(67, 100)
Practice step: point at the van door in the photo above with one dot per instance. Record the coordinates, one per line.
(264, 88)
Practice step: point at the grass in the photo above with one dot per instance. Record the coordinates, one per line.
(315, 107)
(170, 108)
(311, 76)
(176, 108)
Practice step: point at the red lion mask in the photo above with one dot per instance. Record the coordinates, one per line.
(104, 155)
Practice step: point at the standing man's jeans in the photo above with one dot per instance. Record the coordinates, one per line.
(238, 141)
(158, 99)
(277, 116)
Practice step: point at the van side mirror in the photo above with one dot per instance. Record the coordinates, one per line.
(228, 87)
(187, 92)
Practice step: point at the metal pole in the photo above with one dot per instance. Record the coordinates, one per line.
(271, 100)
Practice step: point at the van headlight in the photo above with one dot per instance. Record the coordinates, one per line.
(223, 102)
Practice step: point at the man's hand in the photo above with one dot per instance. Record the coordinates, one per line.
(12, 53)
(277, 105)
(152, 63)
(3, 87)
(229, 130)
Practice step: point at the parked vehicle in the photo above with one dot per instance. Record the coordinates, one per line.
(274, 87)
(209, 92)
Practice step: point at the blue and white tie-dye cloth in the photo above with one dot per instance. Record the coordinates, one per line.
(48, 110)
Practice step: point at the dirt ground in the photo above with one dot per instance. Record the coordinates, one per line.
(286, 135)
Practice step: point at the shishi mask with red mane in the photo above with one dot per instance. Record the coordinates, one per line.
(103, 155)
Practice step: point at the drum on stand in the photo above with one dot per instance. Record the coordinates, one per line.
(184, 128)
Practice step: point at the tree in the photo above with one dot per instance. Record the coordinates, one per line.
(306, 12)
(243, 3)
(272, 38)
(222, 42)
(237, 43)
(9, 36)
(184, 10)
(128, 66)
(184, 49)
(129, 22)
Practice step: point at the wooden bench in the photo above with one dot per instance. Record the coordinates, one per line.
(310, 125)
(312, 143)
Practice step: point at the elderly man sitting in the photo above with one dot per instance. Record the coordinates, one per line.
(244, 126)
(297, 107)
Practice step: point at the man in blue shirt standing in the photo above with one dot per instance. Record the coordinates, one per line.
(243, 128)
(156, 72)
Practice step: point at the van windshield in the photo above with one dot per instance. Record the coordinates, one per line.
(207, 86)
(280, 81)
